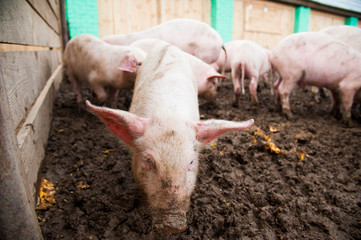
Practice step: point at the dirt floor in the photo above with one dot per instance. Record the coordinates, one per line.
(281, 179)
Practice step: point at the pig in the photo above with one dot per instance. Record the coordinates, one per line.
(245, 57)
(89, 59)
(317, 59)
(349, 35)
(192, 36)
(164, 134)
(207, 77)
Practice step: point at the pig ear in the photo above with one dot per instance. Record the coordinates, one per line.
(214, 79)
(209, 130)
(129, 64)
(125, 125)
(213, 74)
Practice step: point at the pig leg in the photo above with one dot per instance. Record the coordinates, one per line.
(335, 104)
(243, 66)
(113, 93)
(275, 90)
(253, 89)
(285, 89)
(236, 71)
(77, 87)
(99, 91)
(346, 98)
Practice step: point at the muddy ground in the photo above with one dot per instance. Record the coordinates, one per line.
(309, 188)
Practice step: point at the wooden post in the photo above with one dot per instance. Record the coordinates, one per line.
(222, 18)
(352, 21)
(302, 19)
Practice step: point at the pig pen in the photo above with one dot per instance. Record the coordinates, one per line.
(280, 179)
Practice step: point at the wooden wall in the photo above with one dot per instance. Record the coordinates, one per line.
(262, 21)
(126, 16)
(320, 20)
(30, 74)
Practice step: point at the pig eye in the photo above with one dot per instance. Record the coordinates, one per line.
(191, 166)
(139, 64)
(148, 163)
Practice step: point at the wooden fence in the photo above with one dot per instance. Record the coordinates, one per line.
(30, 74)
(136, 15)
(265, 22)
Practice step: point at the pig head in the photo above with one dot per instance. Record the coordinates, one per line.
(207, 77)
(164, 133)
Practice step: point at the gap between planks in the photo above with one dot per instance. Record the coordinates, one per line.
(8, 47)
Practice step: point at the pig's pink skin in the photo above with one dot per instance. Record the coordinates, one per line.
(207, 77)
(245, 58)
(349, 35)
(319, 60)
(192, 36)
(163, 130)
(89, 59)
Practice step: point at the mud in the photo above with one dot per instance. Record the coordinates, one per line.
(306, 185)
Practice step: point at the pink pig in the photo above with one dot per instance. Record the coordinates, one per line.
(317, 59)
(192, 36)
(164, 133)
(207, 77)
(89, 59)
(349, 35)
(245, 58)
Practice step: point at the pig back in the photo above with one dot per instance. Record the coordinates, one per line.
(319, 56)
(165, 85)
(350, 35)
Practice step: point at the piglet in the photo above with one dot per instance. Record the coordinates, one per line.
(207, 77)
(89, 59)
(164, 133)
(192, 36)
(245, 59)
(316, 59)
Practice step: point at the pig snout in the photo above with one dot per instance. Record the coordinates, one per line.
(170, 221)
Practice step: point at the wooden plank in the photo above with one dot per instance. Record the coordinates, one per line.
(122, 17)
(127, 12)
(265, 23)
(55, 5)
(17, 216)
(106, 17)
(320, 20)
(46, 13)
(33, 134)
(20, 24)
(238, 20)
(262, 17)
(184, 9)
(23, 75)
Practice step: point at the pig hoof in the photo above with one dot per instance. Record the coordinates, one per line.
(287, 113)
(317, 99)
(348, 123)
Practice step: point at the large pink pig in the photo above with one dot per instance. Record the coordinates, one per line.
(192, 36)
(349, 35)
(164, 133)
(89, 59)
(207, 77)
(245, 58)
(317, 59)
